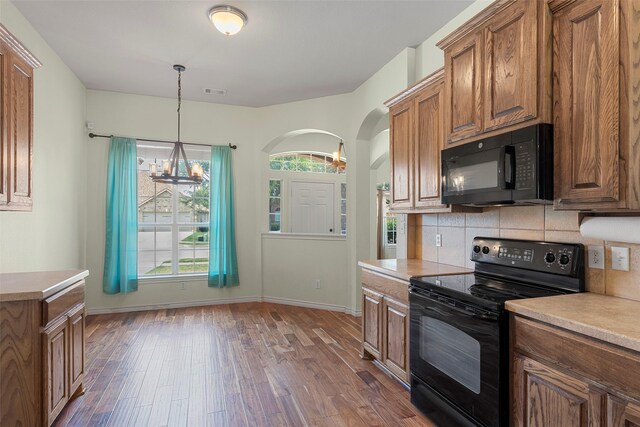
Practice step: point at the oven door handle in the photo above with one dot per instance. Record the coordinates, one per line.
(475, 313)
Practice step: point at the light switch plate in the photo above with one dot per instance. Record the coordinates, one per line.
(596, 257)
(619, 258)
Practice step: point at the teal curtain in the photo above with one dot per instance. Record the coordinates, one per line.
(223, 262)
(121, 240)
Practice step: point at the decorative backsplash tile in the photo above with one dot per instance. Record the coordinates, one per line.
(526, 222)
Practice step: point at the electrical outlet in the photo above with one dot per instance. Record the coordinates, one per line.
(438, 240)
(317, 284)
(183, 286)
(596, 257)
(619, 258)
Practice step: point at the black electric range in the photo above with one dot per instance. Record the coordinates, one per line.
(459, 326)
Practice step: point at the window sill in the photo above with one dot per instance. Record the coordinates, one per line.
(303, 236)
(172, 279)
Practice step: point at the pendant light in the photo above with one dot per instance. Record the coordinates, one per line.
(338, 163)
(170, 171)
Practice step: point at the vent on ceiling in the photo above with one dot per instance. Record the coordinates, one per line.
(219, 92)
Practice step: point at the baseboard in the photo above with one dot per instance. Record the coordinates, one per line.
(219, 301)
(184, 304)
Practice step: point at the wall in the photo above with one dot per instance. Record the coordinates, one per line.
(51, 236)
(293, 264)
(528, 223)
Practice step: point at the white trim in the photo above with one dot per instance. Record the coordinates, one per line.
(302, 236)
(309, 304)
(220, 301)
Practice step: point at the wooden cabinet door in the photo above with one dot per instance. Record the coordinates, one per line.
(55, 369)
(542, 396)
(429, 141)
(371, 318)
(463, 88)
(621, 413)
(511, 64)
(400, 154)
(395, 333)
(76, 348)
(586, 56)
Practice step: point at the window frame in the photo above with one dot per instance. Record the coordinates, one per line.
(175, 226)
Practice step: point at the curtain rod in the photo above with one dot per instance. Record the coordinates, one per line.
(95, 135)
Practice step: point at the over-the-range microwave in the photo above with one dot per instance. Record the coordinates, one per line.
(513, 168)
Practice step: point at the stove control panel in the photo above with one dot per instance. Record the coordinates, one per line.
(556, 258)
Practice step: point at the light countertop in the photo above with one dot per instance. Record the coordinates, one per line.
(405, 269)
(37, 285)
(610, 319)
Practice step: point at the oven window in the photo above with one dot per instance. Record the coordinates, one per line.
(451, 351)
(476, 176)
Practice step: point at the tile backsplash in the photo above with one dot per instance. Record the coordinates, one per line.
(526, 222)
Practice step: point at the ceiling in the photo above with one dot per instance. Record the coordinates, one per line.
(289, 51)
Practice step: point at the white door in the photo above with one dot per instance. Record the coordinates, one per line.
(312, 207)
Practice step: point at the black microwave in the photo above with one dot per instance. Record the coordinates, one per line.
(513, 168)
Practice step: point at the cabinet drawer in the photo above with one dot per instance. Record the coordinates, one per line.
(58, 304)
(396, 288)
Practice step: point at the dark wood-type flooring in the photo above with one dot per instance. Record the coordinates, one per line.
(254, 364)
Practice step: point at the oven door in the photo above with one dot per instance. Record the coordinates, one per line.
(478, 176)
(456, 351)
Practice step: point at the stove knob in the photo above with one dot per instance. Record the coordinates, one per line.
(485, 250)
(476, 249)
(549, 257)
(564, 259)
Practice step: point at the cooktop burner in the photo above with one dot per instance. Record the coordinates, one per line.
(510, 269)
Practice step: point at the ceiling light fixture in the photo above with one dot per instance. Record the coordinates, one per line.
(338, 163)
(227, 19)
(170, 173)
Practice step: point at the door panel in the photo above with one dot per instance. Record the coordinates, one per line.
(429, 141)
(312, 207)
(621, 413)
(463, 88)
(371, 317)
(395, 335)
(546, 397)
(586, 102)
(400, 155)
(56, 368)
(76, 357)
(510, 85)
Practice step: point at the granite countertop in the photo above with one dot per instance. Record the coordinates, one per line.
(405, 269)
(610, 319)
(38, 285)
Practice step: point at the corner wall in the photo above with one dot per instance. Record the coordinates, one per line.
(51, 236)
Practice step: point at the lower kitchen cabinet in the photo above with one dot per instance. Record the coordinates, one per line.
(560, 378)
(42, 346)
(385, 322)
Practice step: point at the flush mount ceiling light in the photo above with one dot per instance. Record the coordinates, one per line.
(227, 19)
(170, 173)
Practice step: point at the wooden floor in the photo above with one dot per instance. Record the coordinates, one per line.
(254, 364)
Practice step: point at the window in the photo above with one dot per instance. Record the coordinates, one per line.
(390, 224)
(343, 209)
(275, 186)
(173, 220)
(303, 162)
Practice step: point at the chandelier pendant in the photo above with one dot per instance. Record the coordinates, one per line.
(170, 173)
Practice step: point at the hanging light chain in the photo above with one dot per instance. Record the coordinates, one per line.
(179, 99)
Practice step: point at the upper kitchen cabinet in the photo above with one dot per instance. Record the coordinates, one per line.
(401, 154)
(463, 82)
(16, 125)
(498, 71)
(416, 138)
(596, 104)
